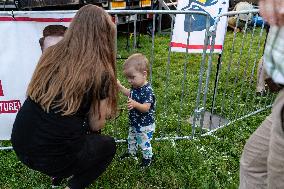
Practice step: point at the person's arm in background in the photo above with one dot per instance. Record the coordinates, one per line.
(272, 11)
(97, 118)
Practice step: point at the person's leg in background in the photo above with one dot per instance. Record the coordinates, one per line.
(276, 145)
(232, 23)
(96, 157)
(262, 161)
(253, 163)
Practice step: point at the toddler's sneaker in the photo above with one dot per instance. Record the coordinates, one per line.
(56, 182)
(128, 155)
(146, 162)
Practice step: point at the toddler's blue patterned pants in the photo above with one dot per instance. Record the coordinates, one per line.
(141, 136)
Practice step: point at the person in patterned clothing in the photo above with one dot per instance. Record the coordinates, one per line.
(141, 106)
(262, 160)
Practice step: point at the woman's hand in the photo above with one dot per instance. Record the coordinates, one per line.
(272, 11)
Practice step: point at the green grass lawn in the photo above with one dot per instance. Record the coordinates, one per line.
(208, 162)
(204, 162)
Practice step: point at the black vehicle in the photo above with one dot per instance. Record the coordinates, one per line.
(36, 5)
(72, 4)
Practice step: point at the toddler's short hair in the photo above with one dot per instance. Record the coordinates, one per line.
(137, 61)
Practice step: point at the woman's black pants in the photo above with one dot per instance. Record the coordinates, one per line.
(93, 159)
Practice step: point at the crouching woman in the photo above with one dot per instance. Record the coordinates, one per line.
(72, 91)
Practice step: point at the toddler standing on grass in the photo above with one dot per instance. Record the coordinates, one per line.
(141, 106)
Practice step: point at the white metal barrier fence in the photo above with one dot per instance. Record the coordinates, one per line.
(198, 94)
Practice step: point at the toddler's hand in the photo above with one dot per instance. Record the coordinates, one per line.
(118, 82)
(131, 104)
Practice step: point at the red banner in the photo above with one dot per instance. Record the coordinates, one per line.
(11, 106)
(1, 89)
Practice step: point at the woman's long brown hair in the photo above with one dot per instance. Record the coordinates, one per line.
(78, 64)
